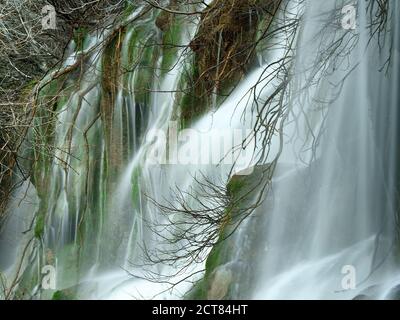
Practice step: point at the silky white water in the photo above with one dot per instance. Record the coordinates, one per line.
(330, 206)
(334, 211)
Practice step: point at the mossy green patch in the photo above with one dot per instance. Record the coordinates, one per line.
(223, 250)
(79, 35)
(171, 39)
(63, 295)
(39, 225)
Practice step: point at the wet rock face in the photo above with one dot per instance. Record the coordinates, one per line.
(229, 266)
(224, 37)
(374, 292)
(223, 49)
(394, 293)
(220, 283)
(223, 279)
(165, 18)
(362, 297)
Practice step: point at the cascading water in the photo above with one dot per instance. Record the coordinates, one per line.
(329, 205)
(331, 208)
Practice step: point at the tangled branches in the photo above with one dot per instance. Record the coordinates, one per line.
(12, 126)
(86, 13)
(26, 50)
(196, 218)
(27, 53)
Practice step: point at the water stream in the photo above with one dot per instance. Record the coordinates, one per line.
(331, 206)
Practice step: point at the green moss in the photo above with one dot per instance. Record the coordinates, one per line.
(43, 135)
(198, 292)
(136, 185)
(214, 258)
(68, 262)
(63, 295)
(28, 88)
(192, 108)
(218, 255)
(236, 185)
(171, 39)
(133, 47)
(58, 295)
(221, 253)
(48, 93)
(79, 35)
(145, 73)
(193, 103)
(216, 70)
(130, 7)
(39, 225)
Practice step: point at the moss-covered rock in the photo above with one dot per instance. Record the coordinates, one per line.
(39, 225)
(223, 49)
(224, 271)
(394, 293)
(66, 294)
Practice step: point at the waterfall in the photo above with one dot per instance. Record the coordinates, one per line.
(332, 205)
(93, 208)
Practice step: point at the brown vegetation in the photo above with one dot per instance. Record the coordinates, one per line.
(27, 53)
(224, 39)
(224, 47)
